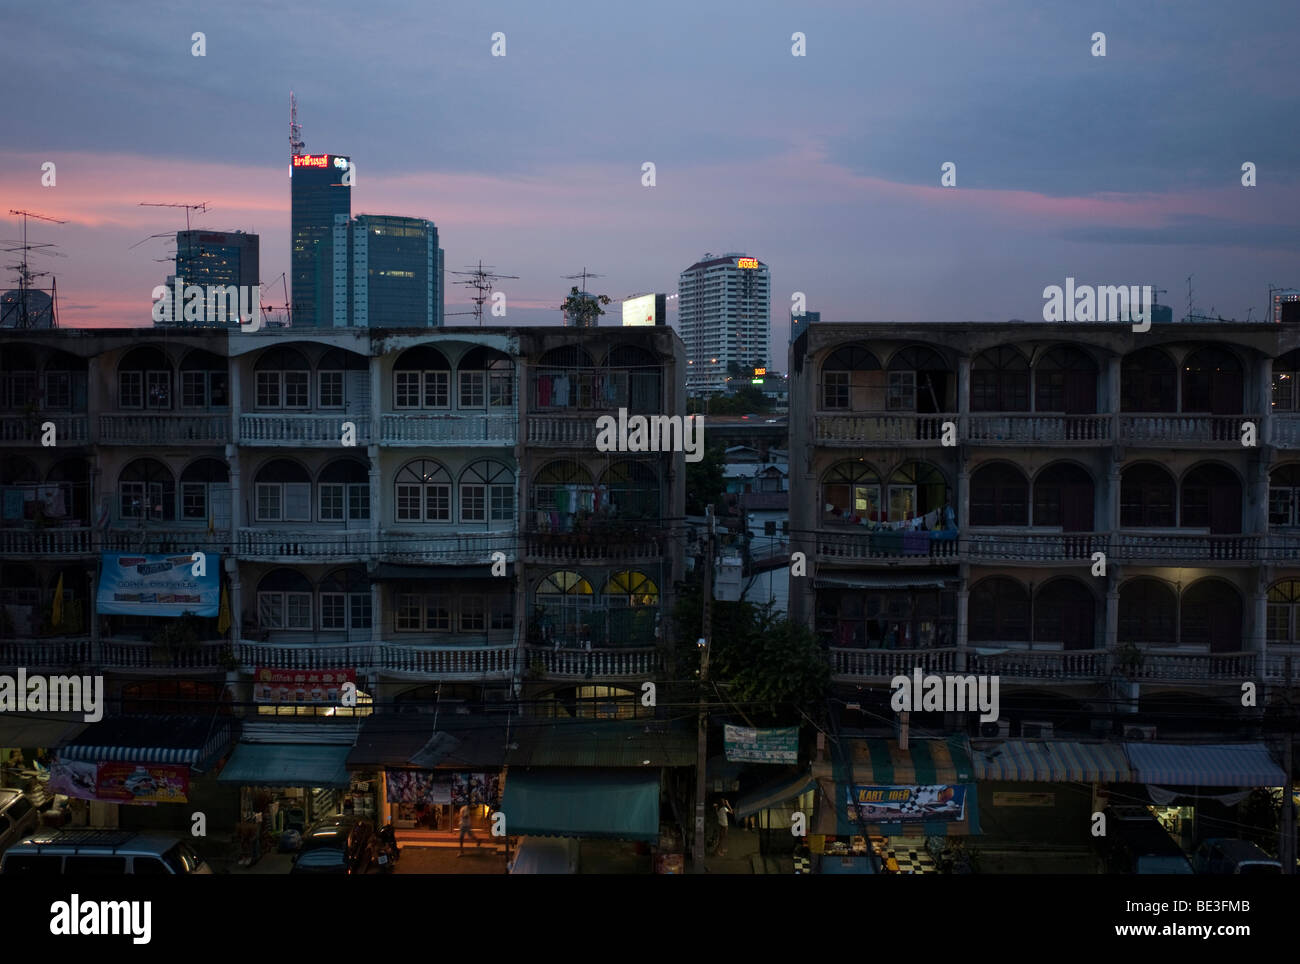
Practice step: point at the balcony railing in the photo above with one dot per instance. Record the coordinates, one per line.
(470, 662)
(1014, 428)
(26, 429)
(323, 431)
(897, 428)
(72, 541)
(570, 547)
(127, 536)
(1157, 666)
(290, 544)
(157, 428)
(1029, 664)
(461, 428)
(594, 663)
(148, 656)
(55, 652)
(1183, 430)
(1029, 546)
(306, 656)
(1183, 548)
(414, 547)
(556, 430)
(1282, 547)
(1285, 433)
(916, 548)
(888, 663)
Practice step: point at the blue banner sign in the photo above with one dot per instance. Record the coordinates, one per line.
(156, 585)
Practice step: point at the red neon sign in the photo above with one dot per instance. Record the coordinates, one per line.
(311, 160)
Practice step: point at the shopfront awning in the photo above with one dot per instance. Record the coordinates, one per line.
(194, 740)
(598, 803)
(882, 761)
(773, 793)
(1051, 761)
(46, 730)
(286, 765)
(1209, 765)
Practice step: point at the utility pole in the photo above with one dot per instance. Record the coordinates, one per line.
(701, 760)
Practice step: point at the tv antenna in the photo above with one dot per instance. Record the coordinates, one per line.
(584, 276)
(28, 316)
(586, 312)
(296, 146)
(201, 206)
(480, 279)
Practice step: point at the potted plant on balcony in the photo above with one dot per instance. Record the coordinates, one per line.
(536, 670)
(1129, 659)
(180, 635)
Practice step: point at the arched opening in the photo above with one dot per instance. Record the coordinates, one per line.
(146, 490)
(422, 492)
(1284, 612)
(284, 601)
(341, 377)
(205, 381)
(1148, 382)
(1211, 616)
(851, 494)
(486, 380)
(1213, 382)
(422, 379)
(635, 374)
(852, 380)
(1063, 496)
(1147, 497)
(63, 382)
(562, 611)
(999, 496)
(1065, 612)
(17, 378)
(1212, 500)
(919, 381)
(1065, 380)
(999, 611)
(562, 491)
(1286, 382)
(345, 601)
(999, 381)
(144, 380)
(915, 490)
(632, 609)
(1148, 613)
(487, 493)
(205, 493)
(1284, 495)
(629, 489)
(282, 492)
(282, 378)
(343, 491)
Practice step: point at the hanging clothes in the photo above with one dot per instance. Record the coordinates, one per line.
(544, 391)
(561, 388)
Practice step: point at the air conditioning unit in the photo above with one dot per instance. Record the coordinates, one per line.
(996, 728)
(1036, 731)
(1136, 733)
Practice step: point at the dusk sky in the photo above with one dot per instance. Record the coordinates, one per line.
(1123, 169)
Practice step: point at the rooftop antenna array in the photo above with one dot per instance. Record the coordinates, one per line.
(480, 279)
(296, 146)
(22, 312)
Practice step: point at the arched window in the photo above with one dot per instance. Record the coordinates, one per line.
(146, 490)
(628, 590)
(17, 378)
(1284, 611)
(282, 491)
(1147, 497)
(343, 491)
(284, 598)
(999, 381)
(1286, 382)
(1212, 499)
(628, 490)
(1065, 380)
(1284, 495)
(561, 490)
(283, 379)
(205, 492)
(1147, 382)
(999, 496)
(850, 494)
(1212, 616)
(205, 381)
(918, 381)
(632, 602)
(1063, 496)
(999, 611)
(345, 600)
(916, 489)
(63, 382)
(1212, 382)
(1065, 612)
(487, 493)
(852, 380)
(144, 380)
(1147, 613)
(422, 491)
(562, 613)
(70, 478)
(486, 379)
(333, 372)
(565, 378)
(641, 372)
(422, 379)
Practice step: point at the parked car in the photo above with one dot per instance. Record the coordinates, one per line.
(339, 845)
(102, 853)
(1136, 843)
(18, 817)
(1224, 855)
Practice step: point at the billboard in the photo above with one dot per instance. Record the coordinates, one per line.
(119, 782)
(906, 804)
(644, 310)
(744, 745)
(301, 686)
(139, 584)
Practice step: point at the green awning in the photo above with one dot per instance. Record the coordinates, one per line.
(287, 765)
(606, 804)
(773, 793)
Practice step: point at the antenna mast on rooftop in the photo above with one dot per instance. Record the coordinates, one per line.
(480, 279)
(296, 146)
(23, 313)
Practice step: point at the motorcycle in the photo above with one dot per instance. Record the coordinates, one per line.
(388, 850)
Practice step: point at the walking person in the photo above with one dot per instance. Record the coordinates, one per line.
(723, 808)
(465, 829)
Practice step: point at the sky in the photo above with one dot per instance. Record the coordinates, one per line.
(1122, 169)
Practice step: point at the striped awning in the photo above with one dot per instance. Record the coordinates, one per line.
(1204, 765)
(1051, 761)
(193, 740)
(881, 761)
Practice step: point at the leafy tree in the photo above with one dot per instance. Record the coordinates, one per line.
(704, 482)
(585, 309)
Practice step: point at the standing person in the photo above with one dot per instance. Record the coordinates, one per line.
(724, 808)
(465, 829)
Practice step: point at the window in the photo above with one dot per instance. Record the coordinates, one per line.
(835, 390)
(159, 386)
(130, 389)
(851, 491)
(999, 496)
(1284, 496)
(999, 611)
(329, 388)
(902, 392)
(283, 501)
(423, 493)
(471, 389)
(419, 612)
(1286, 372)
(1146, 497)
(1147, 612)
(205, 382)
(1283, 603)
(284, 610)
(283, 380)
(1148, 382)
(340, 501)
(296, 392)
(1000, 381)
(473, 614)
(58, 390)
(487, 493)
(146, 491)
(486, 378)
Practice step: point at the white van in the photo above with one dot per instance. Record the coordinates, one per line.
(102, 853)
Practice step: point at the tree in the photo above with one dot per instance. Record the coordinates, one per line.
(584, 308)
(704, 482)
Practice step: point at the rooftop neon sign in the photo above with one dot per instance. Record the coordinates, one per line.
(311, 160)
(746, 262)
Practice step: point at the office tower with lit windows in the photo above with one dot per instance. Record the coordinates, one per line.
(318, 195)
(724, 317)
(387, 272)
